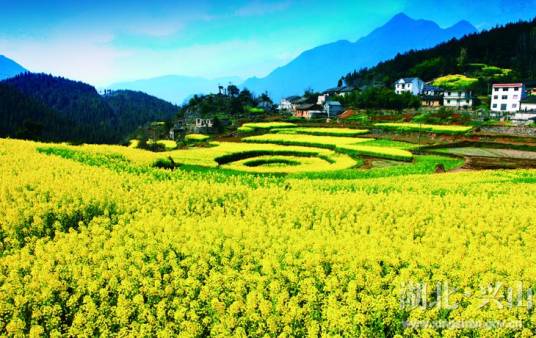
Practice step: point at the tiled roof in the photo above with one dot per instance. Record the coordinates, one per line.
(507, 85)
(428, 88)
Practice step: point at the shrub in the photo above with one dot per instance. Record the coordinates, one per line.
(245, 130)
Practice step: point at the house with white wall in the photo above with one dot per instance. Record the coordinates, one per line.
(506, 97)
(460, 99)
(288, 103)
(412, 85)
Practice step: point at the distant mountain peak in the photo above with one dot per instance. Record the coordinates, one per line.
(400, 18)
(320, 67)
(464, 24)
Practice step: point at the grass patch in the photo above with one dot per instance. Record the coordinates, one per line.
(196, 138)
(245, 130)
(424, 164)
(391, 144)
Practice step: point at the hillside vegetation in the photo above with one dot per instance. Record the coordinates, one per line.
(44, 107)
(500, 54)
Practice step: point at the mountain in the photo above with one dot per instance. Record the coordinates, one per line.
(175, 88)
(9, 68)
(27, 118)
(44, 107)
(321, 67)
(506, 53)
(137, 108)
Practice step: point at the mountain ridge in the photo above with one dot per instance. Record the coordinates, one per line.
(309, 69)
(49, 108)
(175, 88)
(9, 68)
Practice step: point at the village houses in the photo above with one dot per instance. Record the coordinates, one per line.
(506, 97)
(460, 99)
(412, 85)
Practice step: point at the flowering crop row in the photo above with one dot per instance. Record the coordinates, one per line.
(91, 248)
(322, 131)
(268, 125)
(432, 128)
(380, 152)
(330, 142)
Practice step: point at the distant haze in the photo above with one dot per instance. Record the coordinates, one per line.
(106, 42)
(320, 68)
(175, 88)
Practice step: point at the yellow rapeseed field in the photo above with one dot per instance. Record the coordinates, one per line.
(92, 245)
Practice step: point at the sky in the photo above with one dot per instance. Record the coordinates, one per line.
(103, 42)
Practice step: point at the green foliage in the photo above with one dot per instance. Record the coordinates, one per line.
(359, 118)
(234, 104)
(426, 69)
(165, 163)
(194, 138)
(424, 164)
(245, 130)
(254, 110)
(380, 98)
(44, 107)
(511, 48)
(455, 82)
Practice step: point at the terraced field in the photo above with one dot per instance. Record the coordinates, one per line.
(284, 150)
(430, 128)
(97, 242)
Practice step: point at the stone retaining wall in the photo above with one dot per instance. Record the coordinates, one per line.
(516, 131)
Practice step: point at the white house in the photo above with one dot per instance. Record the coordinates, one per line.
(332, 108)
(506, 97)
(412, 85)
(204, 123)
(322, 98)
(460, 99)
(529, 104)
(287, 104)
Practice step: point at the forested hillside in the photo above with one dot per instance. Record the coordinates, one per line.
(44, 107)
(509, 47)
(135, 108)
(27, 118)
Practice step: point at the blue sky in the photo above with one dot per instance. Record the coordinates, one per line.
(102, 42)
